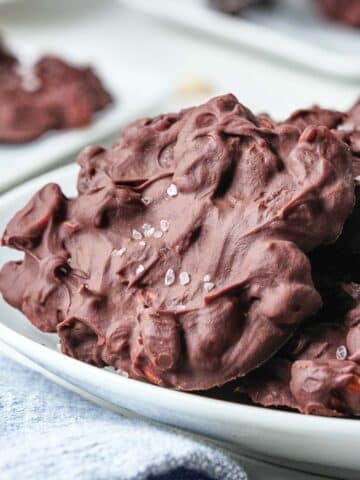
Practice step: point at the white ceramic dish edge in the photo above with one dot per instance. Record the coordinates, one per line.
(244, 32)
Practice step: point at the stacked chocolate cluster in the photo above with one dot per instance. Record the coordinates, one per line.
(206, 247)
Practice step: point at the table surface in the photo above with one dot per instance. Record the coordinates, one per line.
(257, 470)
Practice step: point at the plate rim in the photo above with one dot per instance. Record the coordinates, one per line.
(186, 399)
(240, 31)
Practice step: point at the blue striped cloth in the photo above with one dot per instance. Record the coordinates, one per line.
(47, 432)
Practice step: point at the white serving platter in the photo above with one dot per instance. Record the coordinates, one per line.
(293, 31)
(313, 443)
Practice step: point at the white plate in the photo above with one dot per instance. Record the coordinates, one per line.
(131, 100)
(325, 443)
(293, 31)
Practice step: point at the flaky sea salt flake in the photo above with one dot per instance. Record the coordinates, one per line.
(146, 200)
(341, 352)
(172, 190)
(118, 252)
(169, 277)
(30, 82)
(158, 234)
(136, 235)
(149, 232)
(209, 286)
(164, 225)
(179, 307)
(184, 278)
(140, 269)
(346, 127)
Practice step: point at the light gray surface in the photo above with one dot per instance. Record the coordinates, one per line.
(256, 469)
(87, 442)
(291, 31)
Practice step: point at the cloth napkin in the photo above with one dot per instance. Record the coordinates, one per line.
(48, 432)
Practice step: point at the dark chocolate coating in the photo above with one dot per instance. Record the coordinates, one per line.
(343, 11)
(340, 261)
(350, 129)
(306, 375)
(318, 372)
(208, 192)
(315, 116)
(7, 60)
(346, 125)
(53, 95)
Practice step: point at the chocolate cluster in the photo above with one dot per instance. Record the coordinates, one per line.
(206, 246)
(50, 95)
(318, 370)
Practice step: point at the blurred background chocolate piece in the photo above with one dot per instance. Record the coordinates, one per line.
(234, 7)
(343, 11)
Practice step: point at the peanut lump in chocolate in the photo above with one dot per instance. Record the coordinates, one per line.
(346, 125)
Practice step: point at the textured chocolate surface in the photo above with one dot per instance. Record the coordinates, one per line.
(350, 129)
(316, 116)
(318, 372)
(7, 60)
(346, 125)
(51, 95)
(182, 259)
(344, 11)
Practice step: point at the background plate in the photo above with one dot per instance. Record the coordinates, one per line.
(293, 31)
(83, 32)
(317, 443)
